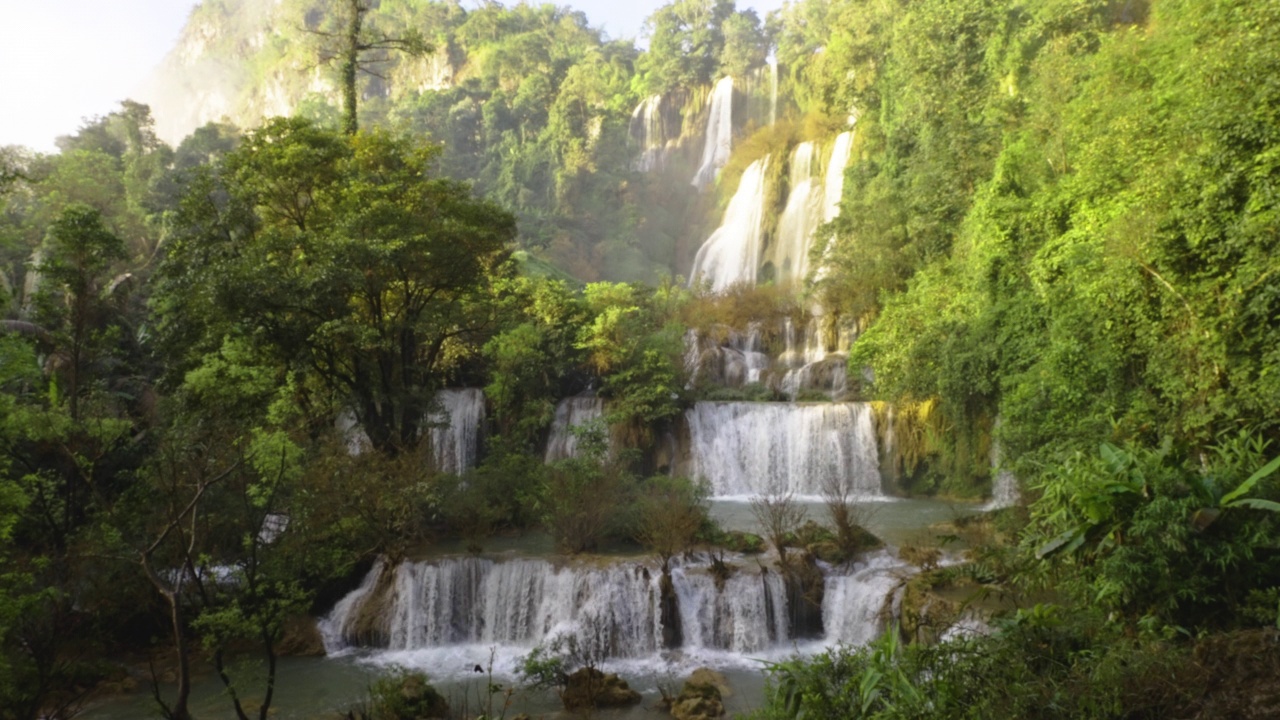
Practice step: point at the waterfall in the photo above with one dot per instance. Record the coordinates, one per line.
(857, 607)
(1004, 487)
(833, 186)
(746, 449)
(455, 429)
(451, 611)
(748, 614)
(648, 130)
(612, 610)
(732, 254)
(570, 413)
(800, 218)
(719, 141)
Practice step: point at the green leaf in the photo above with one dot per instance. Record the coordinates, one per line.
(1058, 542)
(1246, 486)
(1256, 504)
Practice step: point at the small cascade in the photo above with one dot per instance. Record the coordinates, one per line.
(732, 254)
(800, 218)
(857, 607)
(1004, 486)
(719, 135)
(737, 360)
(747, 449)
(748, 613)
(649, 132)
(31, 281)
(811, 366)
(455, 429)
(570, 413)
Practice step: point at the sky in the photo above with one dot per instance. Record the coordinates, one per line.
(64, 61)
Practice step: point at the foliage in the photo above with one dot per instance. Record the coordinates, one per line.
(583, 497)
(344, 261)
(1156, 540)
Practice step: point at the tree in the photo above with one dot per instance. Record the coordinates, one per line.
(357, 45)
(79, 252)
(357, 274)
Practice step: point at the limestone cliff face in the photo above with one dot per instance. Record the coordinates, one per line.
(247, 60)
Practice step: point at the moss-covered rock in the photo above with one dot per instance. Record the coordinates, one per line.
(702, 697)
(588, 688)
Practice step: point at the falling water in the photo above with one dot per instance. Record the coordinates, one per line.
(612, 610)
(454, 608)
(570, 413)
(650, 134)
(856, 607)
(719, 135)
(732, 254)
(1004, 488)
(800, 218)
(455, 429)
(833, 186)
(747, 449)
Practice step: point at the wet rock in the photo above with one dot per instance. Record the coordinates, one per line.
(301, 638)
(588, 687)
(702, 697)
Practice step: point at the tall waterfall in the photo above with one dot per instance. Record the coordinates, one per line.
(719, 135)
(571, 412)
(833, 186)
(732, 254)
(746, 449)
(455, 431)
(800, 218)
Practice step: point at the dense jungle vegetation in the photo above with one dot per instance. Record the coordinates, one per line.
(1059, 231)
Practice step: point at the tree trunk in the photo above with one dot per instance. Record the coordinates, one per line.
(350, 64)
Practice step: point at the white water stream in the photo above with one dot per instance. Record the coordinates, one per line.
(719, 136)
(745, 449)
(732, 254)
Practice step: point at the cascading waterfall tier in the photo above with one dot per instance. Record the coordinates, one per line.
(571, 412)
(719, 136)
(731, 255)
(735, 252)
(455, 429)
(749, 449)
(612, 610)
(800, 218)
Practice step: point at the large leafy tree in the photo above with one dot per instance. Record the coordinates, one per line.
(356, 275)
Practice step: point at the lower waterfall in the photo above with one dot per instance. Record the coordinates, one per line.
(746, 449)
(453, 606)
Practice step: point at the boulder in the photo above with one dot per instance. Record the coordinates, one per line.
(588, 687)
(702, 697)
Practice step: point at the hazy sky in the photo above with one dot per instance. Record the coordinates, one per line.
(65, 60)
